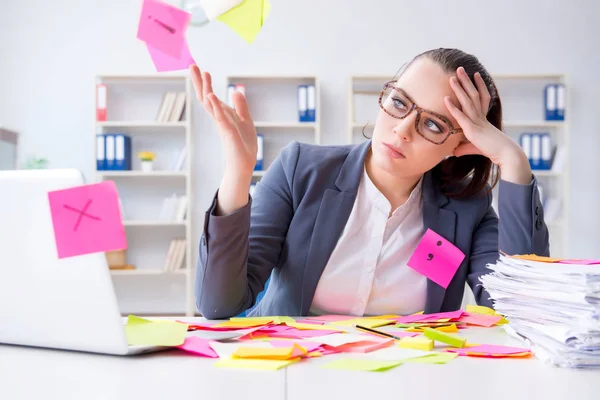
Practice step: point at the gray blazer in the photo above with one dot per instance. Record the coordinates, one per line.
(298, 212)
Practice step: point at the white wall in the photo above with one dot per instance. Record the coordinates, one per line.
(51, 50)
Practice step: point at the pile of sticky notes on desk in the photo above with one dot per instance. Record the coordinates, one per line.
(271, 343)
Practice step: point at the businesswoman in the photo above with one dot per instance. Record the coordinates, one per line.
(334, 226)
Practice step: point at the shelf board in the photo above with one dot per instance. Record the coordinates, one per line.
(140, 124)
(275, 124)
(134, 174)
(150, 223)
(534, 124)
(269, 77)
(147, 271)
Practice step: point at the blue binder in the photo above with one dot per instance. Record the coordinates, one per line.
(546, 151)
(110, 151)
(303, 103)
(311, 103)
(550, 102)
(122, 152)
(100, 152)
(260, 154)
(560, 102)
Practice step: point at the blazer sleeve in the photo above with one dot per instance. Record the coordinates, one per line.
(239, 251)
(519, 229)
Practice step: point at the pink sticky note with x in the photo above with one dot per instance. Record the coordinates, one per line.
(164, 62)
(87, 219)
(436, 258)
(163, 27)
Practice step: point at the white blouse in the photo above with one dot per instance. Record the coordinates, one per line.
(367, 272)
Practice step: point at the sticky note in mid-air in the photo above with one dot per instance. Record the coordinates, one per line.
(87, 219)
(436, 258)
(163, 27)
(247, 18)
(165, 62)
(140, 331)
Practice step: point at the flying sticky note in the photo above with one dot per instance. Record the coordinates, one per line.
(87, 219)
(436, 358)
(436, 258)
(145, 332)
(198, 346)
(165, 62)
(247, 18)
(417, 343)
(362, 364)
(443, 337)
(163, 27)
(214, 8)
(250, 363)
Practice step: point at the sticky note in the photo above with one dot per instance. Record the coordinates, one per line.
(309, 346)
(366, 322)
(163, 27)
(430, 317)
(417, 343)
(452, 340)
(214, 8)
(481, 319)
(480, 310)
(490, 350)
(583, 261)
(140, 331)
(312, 327)
(293, 333)
(247, 18)
(198, 346)
(251, 363)
(87, 219)
(243, 323)
(534, 257)
(365, 346)
(362, 364)
(339, 339)
(436, 258)
(436, 358)
(226, 350)
(448, 329)
(264, 320)
(331, 318)
(273, 353)
(165, 62)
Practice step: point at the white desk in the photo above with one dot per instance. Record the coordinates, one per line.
(30, 373)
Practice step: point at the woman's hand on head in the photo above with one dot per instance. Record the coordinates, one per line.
(481, 136)
(235, 125)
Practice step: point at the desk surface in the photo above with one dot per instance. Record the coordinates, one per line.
(30, 373)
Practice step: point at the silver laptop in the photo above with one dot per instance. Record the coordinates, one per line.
(45, 301)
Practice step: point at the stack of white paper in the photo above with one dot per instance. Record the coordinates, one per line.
(554, 306)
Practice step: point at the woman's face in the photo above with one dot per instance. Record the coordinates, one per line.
(426, 84)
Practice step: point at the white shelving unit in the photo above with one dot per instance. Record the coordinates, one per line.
(523, 111)
(272, 101)
(133, 104)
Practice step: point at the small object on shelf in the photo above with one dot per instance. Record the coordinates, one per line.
(146, 160)
(260, 153)
(100, 102)
(116, 259)
(303, 103)
(311, 103)
(127, 267)
(554, 97)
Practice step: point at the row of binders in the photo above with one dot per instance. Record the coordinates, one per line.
(175, 259)
(554, 96)
(307, 100)
(541, 152)
(172, 107)
(174, 208)
(113, 152)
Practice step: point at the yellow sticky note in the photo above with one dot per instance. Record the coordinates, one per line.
(452, 340)
(366, 322)
(273, 353)
(471, 308)
(437, 358)
(140, 331)
(247, 18)
(313, 327)
(418, 343)
(448, 329)
(359, 364)
(249, 323)
(387, 316)
(252, 363)
(263, 320)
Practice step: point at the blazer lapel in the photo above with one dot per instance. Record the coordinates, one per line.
(334, 211)
(441, 221)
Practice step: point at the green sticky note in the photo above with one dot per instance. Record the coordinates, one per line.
(452, 340)
(247, 18)
(437, 358)
(356, 364)
(140, 331)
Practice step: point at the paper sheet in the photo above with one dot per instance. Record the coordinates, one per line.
(140, 331)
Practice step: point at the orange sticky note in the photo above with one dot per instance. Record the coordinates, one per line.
(534, 257)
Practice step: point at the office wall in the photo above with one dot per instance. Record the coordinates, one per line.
(51, 50)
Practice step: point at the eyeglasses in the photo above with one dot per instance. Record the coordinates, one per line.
(430, 125)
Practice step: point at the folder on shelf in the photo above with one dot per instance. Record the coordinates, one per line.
(178, 107)
(100, 153)
(526, 145)
(260, 153)
(122, 152)
(560, 102)
(311, 103)
(536, 151)
(101, 102)
(550, 102)
(546, 151)
(302, 103)
(110, 152)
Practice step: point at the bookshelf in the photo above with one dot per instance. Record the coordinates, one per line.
(273, 104)
(523, 111)
(134, 104)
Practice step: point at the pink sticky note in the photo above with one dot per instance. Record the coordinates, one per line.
(301, 334)
(436, 258)
(164, 62)
(490, 349)
(87, 219)
(480, 319)
(163, 27)
(366, 346)
(309, 321)
(198, 346)
(582, 261)
(409, 319)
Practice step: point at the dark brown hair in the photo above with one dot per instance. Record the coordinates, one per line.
(465, 176)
